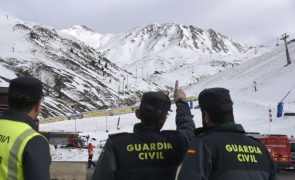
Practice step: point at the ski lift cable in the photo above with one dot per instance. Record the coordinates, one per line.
(288, 93)
(274, 40)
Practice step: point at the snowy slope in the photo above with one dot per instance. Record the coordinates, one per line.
(87, 35)
(158, 52)
(70, 70)
(269, 71)
(274, 81)
(250, 108)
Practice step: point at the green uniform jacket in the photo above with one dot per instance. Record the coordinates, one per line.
(225, 152)
(147, 153)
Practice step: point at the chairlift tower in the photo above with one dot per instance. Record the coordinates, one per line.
(284, 37)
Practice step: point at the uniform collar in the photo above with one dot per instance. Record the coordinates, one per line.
(229, 127)
(140, 127)
(14, 115)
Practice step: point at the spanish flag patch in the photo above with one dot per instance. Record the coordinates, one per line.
(191, 152)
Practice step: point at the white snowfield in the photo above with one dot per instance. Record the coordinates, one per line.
(160, 52)
(273, 81)
(251, 109)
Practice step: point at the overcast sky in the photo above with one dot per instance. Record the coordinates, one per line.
(247, 21)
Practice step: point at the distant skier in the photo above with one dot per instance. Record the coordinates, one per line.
(73, 106)
(118, 124)
(255, 86)
(87, 138)
(90, 149)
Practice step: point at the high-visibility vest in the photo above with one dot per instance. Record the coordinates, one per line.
(14, 136)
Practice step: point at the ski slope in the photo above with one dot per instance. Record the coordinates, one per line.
(274, 81)
(251, 109)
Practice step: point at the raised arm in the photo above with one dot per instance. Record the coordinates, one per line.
(184, 119)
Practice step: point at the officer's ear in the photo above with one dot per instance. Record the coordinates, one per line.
(162, 120)
(37, 108)
(138, 114)
(205, 118)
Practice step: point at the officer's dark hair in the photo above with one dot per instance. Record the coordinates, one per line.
(24, 93)
(218, 104)
(154, 106)
(151, 118)
(20, 105)
(220, 115)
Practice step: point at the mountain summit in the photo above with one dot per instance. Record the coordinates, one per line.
(158, 38)
(157, 51)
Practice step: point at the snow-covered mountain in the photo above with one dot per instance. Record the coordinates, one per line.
(78, 65)
(251, 109)
(87, 35)
(161, 51)
(156, 39)
(70, 70)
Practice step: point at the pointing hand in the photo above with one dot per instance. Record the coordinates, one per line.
(179, 94)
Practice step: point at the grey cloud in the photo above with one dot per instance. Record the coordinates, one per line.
(249, 21)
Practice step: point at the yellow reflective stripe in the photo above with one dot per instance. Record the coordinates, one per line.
(13, 155)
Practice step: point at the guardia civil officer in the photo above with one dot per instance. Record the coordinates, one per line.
(148, 153)
(24, 153)
(221, 150)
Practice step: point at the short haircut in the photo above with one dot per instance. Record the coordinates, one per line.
(20, 105)
(218, 104)
(24, 93)
(153, 107)
(220, 115)
(151, 118)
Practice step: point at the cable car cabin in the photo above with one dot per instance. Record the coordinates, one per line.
(278, 147)
(3, 97)
(292, 151)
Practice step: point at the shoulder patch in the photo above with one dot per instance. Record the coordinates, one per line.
(191, 151)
